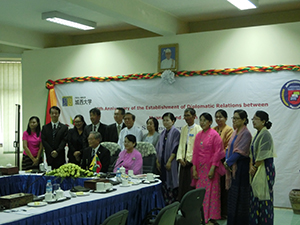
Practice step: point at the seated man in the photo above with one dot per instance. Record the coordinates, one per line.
(102, 154)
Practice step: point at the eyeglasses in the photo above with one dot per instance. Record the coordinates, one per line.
(235, 118)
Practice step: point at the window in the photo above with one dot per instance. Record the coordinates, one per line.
(10, 95)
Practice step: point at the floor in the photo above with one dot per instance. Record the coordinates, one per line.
(282, 217)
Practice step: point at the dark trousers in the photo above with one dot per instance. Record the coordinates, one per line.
(185, 179)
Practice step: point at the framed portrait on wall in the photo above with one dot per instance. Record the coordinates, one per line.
(168, 57)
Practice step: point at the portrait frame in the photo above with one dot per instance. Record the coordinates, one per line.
(163, 62)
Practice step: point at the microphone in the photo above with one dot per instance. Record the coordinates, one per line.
(34, 182)
(34, 196)
(119, 163)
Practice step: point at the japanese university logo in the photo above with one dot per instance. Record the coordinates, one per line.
(290, 94)
(67, 101)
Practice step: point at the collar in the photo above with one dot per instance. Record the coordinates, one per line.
(55, 124)
(121, 124)
(190, 127)
(96, 149)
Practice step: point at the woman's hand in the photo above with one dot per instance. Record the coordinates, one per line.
(77, 155)
(211, 172)
(157, 165)
(168, 165)
(252, 170)
(195, 174)
(227, 167)
(35, 161)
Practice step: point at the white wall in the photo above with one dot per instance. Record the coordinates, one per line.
(254, 46)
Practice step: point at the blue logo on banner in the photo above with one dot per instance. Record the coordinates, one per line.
(290, 94)
(67, 101)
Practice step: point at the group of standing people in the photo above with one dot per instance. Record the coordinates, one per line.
(236, 170)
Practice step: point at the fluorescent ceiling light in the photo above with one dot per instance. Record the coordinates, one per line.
(244, 4)
(71, 21)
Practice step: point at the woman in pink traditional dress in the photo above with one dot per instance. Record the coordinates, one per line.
(130, 158)
(207, 167)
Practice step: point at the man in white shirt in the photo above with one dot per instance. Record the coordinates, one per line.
(185, 151)
(129, 120)
(168, 62)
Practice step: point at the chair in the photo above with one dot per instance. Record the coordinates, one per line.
(148, 153)
(191, 208)
(166, 216)
(118, 218)
(114, 149)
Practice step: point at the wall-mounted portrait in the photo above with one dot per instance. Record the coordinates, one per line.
(168, 57)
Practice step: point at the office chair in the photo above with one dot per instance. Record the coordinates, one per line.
(191, 208)
(148, 153)
(118, 218)
(114, 149)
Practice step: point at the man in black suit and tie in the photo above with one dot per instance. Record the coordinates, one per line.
(96, 125)
(113, 130)
(88, 154)
(54, 138)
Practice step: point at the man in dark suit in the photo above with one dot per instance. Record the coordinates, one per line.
(54, 138)
(88, 154)
(113, 130)
(95, 115)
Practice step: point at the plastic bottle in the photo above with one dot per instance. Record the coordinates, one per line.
(49, 187)
(118, 175)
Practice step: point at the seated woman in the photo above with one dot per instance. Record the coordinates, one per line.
(130, 158)
(153, 135)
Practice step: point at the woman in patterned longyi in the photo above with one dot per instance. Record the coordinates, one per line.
(262, 172)
(207, 167)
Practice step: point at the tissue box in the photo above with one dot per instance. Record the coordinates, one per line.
(15, 200)
(9, 170)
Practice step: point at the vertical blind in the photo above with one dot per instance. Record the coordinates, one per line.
(10, 95)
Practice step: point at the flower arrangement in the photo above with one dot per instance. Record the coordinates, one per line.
(70, 170)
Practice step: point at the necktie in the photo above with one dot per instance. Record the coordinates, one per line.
(54, 130)
(94, 127)
(93, 152)
(119, 129)
(54, 134)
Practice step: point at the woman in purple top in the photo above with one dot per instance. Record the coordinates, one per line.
(32, 144)
(237, 176)
(130, 158)
(166, 158)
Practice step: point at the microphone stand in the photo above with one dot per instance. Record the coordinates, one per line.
(35, 198)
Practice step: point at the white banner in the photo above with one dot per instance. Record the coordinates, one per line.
(276, 93)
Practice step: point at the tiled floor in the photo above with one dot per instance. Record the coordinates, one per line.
(282, 217)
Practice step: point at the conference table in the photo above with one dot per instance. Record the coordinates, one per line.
(91, 209)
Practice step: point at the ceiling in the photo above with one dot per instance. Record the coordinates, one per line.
(21, 26)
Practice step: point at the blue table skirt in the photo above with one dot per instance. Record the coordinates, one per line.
(35, 184)
(138, 203)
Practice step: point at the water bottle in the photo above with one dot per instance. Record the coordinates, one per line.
(49, 187)
(118, 175)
